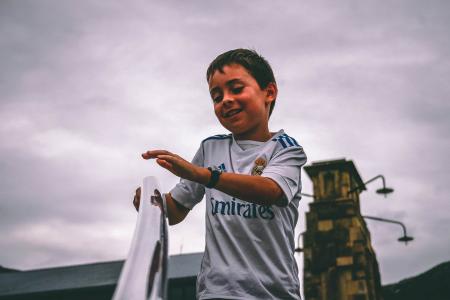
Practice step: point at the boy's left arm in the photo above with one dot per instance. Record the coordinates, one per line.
(256, 189)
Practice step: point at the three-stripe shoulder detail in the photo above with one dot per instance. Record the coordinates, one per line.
(286, 141)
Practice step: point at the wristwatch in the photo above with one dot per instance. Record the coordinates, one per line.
(215, 174)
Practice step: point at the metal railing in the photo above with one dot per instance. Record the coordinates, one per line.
(144, 274)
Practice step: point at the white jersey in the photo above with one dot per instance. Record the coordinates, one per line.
(249, 251)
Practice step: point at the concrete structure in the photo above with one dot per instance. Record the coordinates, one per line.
(339, 261)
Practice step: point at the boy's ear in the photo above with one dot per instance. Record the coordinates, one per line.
(271, 91)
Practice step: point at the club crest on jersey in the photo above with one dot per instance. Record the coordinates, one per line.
(260, 164)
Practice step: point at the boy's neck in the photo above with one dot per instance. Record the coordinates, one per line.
(262, 137)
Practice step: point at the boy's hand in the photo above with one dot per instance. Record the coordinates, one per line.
(155, 199)
(178, 166)
(137, 198)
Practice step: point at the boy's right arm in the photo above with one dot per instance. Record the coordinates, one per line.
(175, 211)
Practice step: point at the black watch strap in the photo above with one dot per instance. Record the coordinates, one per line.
(215, 174)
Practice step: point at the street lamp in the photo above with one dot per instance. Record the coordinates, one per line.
(384, 190)
(405, 238)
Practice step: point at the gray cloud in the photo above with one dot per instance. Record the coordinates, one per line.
(86, 87)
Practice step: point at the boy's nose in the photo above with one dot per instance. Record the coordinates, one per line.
(227, 99)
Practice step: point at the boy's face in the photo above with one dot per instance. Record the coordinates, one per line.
(240, 104)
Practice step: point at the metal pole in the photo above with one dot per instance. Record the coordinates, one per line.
(405, 238)
(367, 182)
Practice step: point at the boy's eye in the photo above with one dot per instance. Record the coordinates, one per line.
(237, 90)
(216, 98)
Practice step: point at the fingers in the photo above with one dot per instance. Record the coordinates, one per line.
(156, 199)
(170, 161)
(165, 164)
(168, 157)
(164, 158)
(138, 191)
(154, 153)
(136, 203)
(137, 198)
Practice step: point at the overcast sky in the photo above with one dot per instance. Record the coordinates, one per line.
(86, 86)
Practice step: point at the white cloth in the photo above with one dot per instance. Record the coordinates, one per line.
(247, 144)
(249, 251)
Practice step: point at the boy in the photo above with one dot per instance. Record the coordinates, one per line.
(251, 178)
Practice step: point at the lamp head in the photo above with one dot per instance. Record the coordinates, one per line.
(385, 191)
(406, 239)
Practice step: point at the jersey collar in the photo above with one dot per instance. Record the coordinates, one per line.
(236, 147)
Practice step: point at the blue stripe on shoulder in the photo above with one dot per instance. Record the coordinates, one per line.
(218, 137)
(286, 141)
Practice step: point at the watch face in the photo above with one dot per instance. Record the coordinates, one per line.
(216, 169)
(215, 174)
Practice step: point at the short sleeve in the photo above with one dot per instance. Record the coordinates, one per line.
(189, 193)
(285, 169)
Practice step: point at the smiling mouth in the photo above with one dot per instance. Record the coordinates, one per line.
(232, 113)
